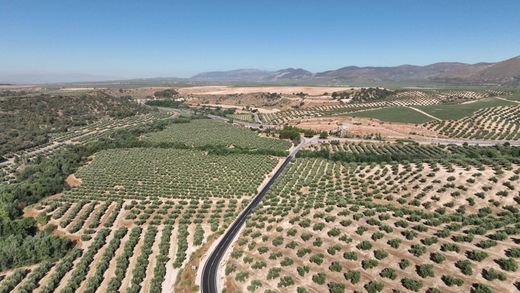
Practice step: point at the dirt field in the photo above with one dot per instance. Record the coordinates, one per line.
(228, 90)
(365, 126)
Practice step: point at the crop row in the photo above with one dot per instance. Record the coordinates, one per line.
(321, 222)
(495, 123)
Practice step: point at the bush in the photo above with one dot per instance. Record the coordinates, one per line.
(285, 281)
(374, 287)
(492, 274)
(369, 263)
(380, 254)
(476, 255)
(417, 249)
(350, 255)
(364, 245)
(388, 273)
(425, 270)
(437, 257)
(394, 243)
(507, 264)
(404, 263)
(452, 281)
(513, 252)
(353, 276)
(335, 266)
(411, 284)
(480, 288)
(336, 287)
(273, 273)
(319, 278)
(465, 267)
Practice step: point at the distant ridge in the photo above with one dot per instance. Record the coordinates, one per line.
(504, 72)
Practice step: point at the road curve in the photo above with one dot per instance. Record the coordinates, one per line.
(211, 266)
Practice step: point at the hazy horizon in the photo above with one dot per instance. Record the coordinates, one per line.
(56, 41)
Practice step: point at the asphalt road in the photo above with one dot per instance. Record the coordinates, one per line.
(210, 269)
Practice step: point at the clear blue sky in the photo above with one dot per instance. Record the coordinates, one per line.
(127, 39)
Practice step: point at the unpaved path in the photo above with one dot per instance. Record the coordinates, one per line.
(504, 99)
(424, 113)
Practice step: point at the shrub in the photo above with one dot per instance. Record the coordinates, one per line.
(404, 263)
(319, 278)
(286, 262)
(513, 252)
(388, 273)
(374, 287)
(411, 284)
(380, 254)
(507, 264)
(437, 257)
(242, 276)
(350, 255)
(317, 259)
(353, 276)
(369, 263)
(425, 270)
(452, 281)
(302, 270)
(364, 245)
(476, 255)
(394, 243)
(492, 274)
(285, 281)
(480, 288)
(336, 287)
(417, 249)
(465, 267)
(335, 266)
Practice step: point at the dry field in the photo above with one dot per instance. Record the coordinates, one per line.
(365, 127)
(337, 227)
(285, 90)
(138, 215)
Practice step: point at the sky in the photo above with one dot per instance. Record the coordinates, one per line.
(108, 39)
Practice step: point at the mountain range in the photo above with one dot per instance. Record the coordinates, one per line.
(502, 73)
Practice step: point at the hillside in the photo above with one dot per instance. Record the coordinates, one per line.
(504, 72)
(27, 121)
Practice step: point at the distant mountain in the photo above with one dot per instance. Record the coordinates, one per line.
(505, 72)
(254, 75)
(233, 75)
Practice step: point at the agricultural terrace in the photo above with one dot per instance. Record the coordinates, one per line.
(138, 215)
(327, 226)
(202, 132)
(495, 123)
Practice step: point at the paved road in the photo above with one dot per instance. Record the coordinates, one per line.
(211, 267)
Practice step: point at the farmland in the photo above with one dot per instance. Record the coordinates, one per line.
(335, 227)
(458, 111)
(401, 115)
(140, 213)
(495, 123)
(202, 132)
(139, 203)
